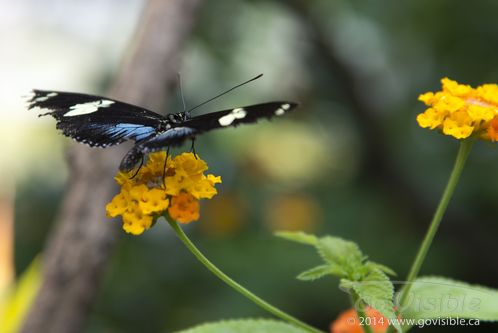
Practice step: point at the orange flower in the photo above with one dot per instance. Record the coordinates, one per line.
(184, 208)
(348, 322)
(492, 133)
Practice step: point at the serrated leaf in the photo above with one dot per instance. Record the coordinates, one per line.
(319, 272)
(439, 297)
(337, 251)
(245, 326)
(346, 285)
(377, 291)
(383, 268)
(298, 236)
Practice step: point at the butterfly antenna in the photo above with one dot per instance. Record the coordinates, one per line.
(223, 93)
(181, 92)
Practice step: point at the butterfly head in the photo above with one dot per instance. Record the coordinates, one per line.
(177, 118)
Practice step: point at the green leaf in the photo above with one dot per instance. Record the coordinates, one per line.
(337, 251)
(245, 326)
(298, 236)
(377, 291)
(320, 271)
(346, 285)
(439, 297)
(383, 268)
(367, 280)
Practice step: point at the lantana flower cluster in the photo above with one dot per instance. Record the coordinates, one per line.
(462, 111)
(153, 192)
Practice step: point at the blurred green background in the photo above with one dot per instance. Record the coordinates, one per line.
(350, 162)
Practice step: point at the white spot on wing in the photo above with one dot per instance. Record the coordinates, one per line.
(282, 109)
(89, 107)
(45, 97)
(238, 113)
(29, 98)
(279, 112)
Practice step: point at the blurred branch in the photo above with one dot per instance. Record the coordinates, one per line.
(78, 250)
(377, 162)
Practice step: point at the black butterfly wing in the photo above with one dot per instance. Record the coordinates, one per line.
(94, 120)
(197, 125)
(221, 119)
(234, 117)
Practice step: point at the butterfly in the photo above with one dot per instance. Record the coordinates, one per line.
(102, 122)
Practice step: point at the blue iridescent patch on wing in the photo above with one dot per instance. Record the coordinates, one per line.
(176, 132)
(122, 131)
(172, 137)
(133, 131)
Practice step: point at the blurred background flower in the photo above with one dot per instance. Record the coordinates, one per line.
(350, 161)
(293, 212)
(348, 322)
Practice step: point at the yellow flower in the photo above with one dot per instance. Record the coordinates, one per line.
(462, 111)
(149, 195)
(154, 201)
(118, 205)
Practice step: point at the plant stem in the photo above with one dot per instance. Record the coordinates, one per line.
(463, 153)
(222, 276)
(360, 309)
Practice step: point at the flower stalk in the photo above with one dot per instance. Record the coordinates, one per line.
(360, 310)
(234, 285)
(463, 153)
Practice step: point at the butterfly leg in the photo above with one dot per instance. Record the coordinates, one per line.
(192, 147)
(165, 166)
(139, 167)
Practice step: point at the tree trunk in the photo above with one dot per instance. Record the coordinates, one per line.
(78, 249)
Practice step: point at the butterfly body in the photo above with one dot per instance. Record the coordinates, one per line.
(101, 122)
